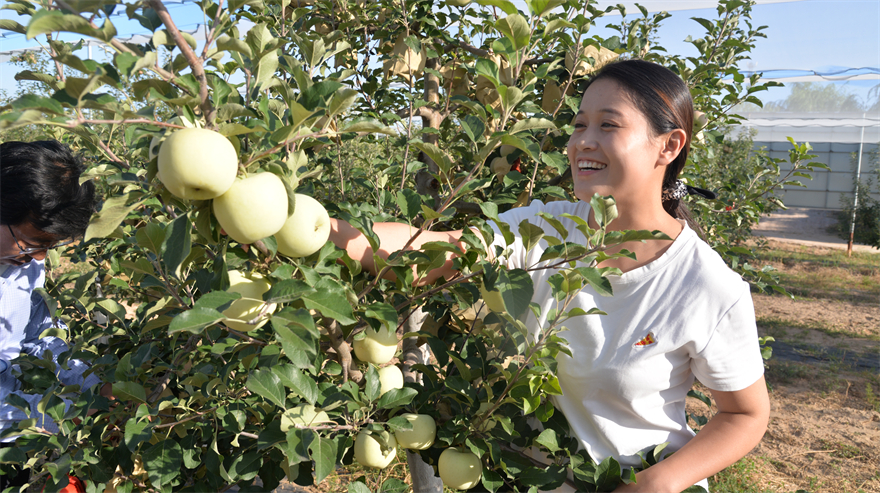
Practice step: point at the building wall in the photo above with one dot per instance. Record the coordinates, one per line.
(827, 187)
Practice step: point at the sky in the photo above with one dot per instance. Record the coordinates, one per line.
(803, 37)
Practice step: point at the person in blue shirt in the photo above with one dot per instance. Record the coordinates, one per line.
(42, 206)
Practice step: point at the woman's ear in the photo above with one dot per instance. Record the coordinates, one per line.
(673, 144)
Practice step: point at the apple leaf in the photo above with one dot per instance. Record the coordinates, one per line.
(195, 320)
(323, 452)
(410, 203)
(129, 391)
(299, 383)
(329, 299)
(162, 461)
(287, 291)
(113, 212)
(548, 439)
(516, 290)
(396, 398)
(384, 313)
(151, 237)
(607, 476)
(267, 384)
(596, 278)
(492, 481)
(177, 244)
(371, 389)
(298, 442)
(296, 332)
(358, 487)
(217, 300)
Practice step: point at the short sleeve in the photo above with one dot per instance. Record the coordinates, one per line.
(731, 360)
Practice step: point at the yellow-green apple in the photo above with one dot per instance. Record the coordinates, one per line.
(306, 230)
(253, 208)
(422, 434)
(251, 288)
(459, 469)
(368, 451)
(458, 3)
(197, 164)
(305, 415)
(390, 377)
(377, 347)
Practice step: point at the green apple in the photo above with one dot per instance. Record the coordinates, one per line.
(306, 230)
(390, 377)
(458, 3)
(253, 208)
(197, 164)
(368, 451)
(305, 415)
(459, 469)
(422, 434)
(251, 288)
(377, 347)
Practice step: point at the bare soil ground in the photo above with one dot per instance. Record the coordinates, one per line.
(824, 377)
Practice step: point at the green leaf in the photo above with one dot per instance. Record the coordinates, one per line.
(217, 300)
(532, 124)
(548, 439)
(516, 29)
(368, 126)
(287, 291)
(435, 154)
(296, 332)
(508, 7)
(129, 391)
(114, 211)
(323, 452)
(543, 7)
(267, 384)
(49, 21)
(32, 101)
(11, 25)
(358, 487)
(473, 127)
(491, 480)
(298, 382)
(373, 385)
(341, 100)
(384, 313)
(195, 320)
(151, 237)
(594, 276)
(607, 476)
(516, 290)
(137, 432)
(331, 301)
(162, 461)
(266, 67)
(177, 244)
(557, 24)
(396, 398)
(410, 203)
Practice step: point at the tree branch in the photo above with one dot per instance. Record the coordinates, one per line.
(194, 62)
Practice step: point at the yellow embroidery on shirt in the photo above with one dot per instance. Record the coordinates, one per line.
(647, 341)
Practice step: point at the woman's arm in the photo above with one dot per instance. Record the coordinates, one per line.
(727, 437)
(392, 237)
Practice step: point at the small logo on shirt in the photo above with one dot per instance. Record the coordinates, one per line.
(648, 340)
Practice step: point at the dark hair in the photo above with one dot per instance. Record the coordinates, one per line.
(665, 100)
(39, 184)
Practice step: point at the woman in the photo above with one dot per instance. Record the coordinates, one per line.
(678, 311)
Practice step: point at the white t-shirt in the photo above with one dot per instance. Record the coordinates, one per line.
(683, 315)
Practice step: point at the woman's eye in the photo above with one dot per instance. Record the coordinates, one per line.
(579, 125)
(608, 124)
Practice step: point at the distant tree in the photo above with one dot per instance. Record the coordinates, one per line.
(816, 97)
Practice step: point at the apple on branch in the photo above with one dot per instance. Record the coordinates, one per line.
(390, 377)
(253, 208)
(251, 287)
(375, 449)
(422, 434)
(306, 230)
(377, 347)
(197, 164)
(459, 469)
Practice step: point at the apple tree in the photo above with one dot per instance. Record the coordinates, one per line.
(236, 352)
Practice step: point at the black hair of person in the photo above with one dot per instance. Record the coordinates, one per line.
(665, 101)
(39, 184)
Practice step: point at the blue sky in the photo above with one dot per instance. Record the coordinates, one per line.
(809, 35)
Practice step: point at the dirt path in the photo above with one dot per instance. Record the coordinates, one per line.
(824, 432)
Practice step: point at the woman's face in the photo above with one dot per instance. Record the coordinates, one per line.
(613, 150)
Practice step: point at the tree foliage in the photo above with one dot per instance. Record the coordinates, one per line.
(390, 110)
